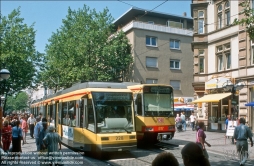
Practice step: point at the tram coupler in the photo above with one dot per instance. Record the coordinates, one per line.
(164, 136)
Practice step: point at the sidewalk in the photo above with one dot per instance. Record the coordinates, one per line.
(219, 144)
(29, 156)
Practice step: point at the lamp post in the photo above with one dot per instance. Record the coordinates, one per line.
(4, 75)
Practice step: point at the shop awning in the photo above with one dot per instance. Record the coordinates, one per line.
(250, 104)
(212, 98)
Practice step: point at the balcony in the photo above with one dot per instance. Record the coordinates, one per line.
(155, 27)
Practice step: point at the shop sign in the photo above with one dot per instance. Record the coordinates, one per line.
(216, 83)
(231, 128)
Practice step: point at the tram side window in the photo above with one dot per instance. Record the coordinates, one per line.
(139, 104)
(90, 115)
(72, 113)
(60, 114)
(81, 115)
(50, 113)
(65, 114)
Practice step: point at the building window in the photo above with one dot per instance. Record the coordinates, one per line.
(174, 64)
(200, 22)
(223, 57)
(151, 41)
(219, 16)
(227, 13)
(200, 26)
(228, 57)
(175, 84)
(220, 62)
(219, 49)
(151, 62)
(174, 44)
(201, 52)
(201, 64)
(151, 81)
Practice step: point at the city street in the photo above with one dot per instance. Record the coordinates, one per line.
(219, 153)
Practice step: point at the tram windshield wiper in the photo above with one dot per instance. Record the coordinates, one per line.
(125, 128)
(128, 132)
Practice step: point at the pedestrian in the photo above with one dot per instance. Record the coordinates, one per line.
(31, 121)
(52, 140)
(177, 119)
(165, 159)
(43, 146)
(200, 138)
(16, 139)
(193, 155)
(37, 130)
(192, 120)
(183, 120)
(6, 136)
(241, 135)
(42, 134)
(24, 127)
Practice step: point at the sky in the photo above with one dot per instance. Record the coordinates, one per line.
(47, 15)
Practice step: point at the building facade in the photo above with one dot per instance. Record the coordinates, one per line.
(161, 48)
(223, 63)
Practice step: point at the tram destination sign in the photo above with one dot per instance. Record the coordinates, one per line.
(157, 89)
(112, 96)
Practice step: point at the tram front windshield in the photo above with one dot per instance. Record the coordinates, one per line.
(113, 111)
(158, 101)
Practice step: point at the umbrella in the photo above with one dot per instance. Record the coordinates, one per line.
(250, 104)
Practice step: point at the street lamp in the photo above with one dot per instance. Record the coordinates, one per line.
(233, 87)
(4, 75)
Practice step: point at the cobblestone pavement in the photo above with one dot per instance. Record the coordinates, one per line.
(220, 146)
(220, 154)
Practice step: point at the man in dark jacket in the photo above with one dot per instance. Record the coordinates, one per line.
(241, 135)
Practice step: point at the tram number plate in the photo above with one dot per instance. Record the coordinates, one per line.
(119, 137)
(160, 128)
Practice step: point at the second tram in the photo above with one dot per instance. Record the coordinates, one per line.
(154, 106)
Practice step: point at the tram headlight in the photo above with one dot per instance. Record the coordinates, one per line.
(132, 137)
(149, 129)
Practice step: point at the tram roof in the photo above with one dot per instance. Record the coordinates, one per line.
(142, 85)
(81, 89)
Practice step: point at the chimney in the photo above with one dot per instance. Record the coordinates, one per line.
(184, 14)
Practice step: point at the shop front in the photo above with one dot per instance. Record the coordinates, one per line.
(220, 103)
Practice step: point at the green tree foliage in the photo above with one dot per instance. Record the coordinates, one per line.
(19, 102)
(18, 53)
(85, 48)
(248, 20)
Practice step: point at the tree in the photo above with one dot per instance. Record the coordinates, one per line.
(248, 20)
(18, 53)
(19, 102)
(82, 49)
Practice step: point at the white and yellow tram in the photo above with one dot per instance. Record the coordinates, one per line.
(92, 116)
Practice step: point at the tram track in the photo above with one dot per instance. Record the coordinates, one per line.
(145, 155)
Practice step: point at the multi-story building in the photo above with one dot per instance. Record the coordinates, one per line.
(161, 48)
(223, 63)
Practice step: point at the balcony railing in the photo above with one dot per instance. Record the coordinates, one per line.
(156, 27)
